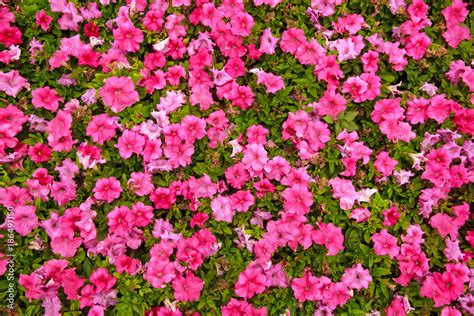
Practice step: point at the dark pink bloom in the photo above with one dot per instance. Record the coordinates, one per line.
(39, 153)
(391, 216)
(43, 20)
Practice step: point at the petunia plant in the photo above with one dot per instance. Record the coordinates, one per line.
(231, 157)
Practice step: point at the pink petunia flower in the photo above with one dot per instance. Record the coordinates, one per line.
(241, 24)
(102, 128)
(331, 104)
(118, 93)
(25, 219)
(297, 199)
(330, 236)
(130, 143)
(159, 273)
(360, 215)
(46, 98)
(385, 244)
(39, 153)
(384, 164)
(221, 209)
(255, 157)
(307, 288)
(43, 20)
(391, 216)
(251, 281)
(268, 42)
(357, 277)
(187, 288)
(128, 37)
(107, 189)
(343, 190)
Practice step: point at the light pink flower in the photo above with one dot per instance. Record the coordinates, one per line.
(343, 190)
(255, 157)
(221, 209)
(268, 42)
(360, 214)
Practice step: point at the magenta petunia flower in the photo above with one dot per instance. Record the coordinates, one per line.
(107, 189)
(46, 98)
(118, 93)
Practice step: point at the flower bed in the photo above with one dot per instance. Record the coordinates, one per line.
(234, 157)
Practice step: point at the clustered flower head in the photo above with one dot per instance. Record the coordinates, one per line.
(191, 156)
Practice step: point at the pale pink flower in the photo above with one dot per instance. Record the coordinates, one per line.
(357, 277)
(221, 209)
(268, 42)
(255, 157)
(360, 215)
(343, 190)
